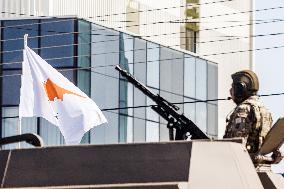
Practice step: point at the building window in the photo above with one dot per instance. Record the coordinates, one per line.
(153, 66)
(125, 89)
(191, 25)
(201, 94)
(83, 49)
(190, 40)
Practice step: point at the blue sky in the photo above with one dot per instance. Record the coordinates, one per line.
(269, 64)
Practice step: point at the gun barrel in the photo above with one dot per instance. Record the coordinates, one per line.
(136, 83)
(117, 67)
(166, 109)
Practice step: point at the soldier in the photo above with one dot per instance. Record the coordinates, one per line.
(250, 119)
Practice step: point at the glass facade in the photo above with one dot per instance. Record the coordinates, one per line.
(86, 54)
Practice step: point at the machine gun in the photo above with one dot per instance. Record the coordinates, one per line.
(183, 126)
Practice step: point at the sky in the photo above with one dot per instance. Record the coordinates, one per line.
(269, 64)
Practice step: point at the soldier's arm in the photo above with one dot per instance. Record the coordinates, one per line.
(267, 124)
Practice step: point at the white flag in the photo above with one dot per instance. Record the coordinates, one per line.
(47, 93)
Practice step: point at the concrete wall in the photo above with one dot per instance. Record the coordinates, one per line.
(221, 30)
(118, 14)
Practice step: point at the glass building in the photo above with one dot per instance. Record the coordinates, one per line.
(86, 53)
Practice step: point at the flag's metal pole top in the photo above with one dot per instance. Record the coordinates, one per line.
(26, 40)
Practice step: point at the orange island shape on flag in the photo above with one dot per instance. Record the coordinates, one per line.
(54, 91)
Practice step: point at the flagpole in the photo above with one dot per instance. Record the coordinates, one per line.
(25, 40)
(20, 119)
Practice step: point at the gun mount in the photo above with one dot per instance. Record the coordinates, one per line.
(30, 138)
(178, 122)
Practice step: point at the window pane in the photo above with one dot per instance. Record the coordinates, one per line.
(212, 82)
(125, 88)
(189, 76)
(126, 50)
(212, 94)
(50, 133)
(201, 116)
(10, 33)
(69, 74)
(84, 48)
(11, 88)
(10, 122)
(83, 61)
(189, 109)
(152, 123)
(152, 131)
(201, 79)
(129, 129)
(123, 122)
(153, 66)
(212, 120)
(123, 102)
(105, 82)
(139, 97)
(10, 125)
(58, 34)
(151, 114)
(171, 82)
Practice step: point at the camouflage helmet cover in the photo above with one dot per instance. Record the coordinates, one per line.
(249, 78)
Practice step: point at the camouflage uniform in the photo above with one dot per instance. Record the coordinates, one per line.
(250, 120)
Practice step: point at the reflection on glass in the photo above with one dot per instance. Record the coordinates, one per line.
(189, 76)
(84, 48)
(152, 123)
(153, 67)
(151, 114)
(201, 116)
(139, 130)
(189, 109)
(29, 27)
(201, 79)
(212, 114)
(10, 125)
(130, 111)
(66, 29)
(104, 81)
(10, 122)
(152, 131)
(83, 61)
(171, 81)
(212, 82)
(50, 133)
(11, 87)
(125, 88)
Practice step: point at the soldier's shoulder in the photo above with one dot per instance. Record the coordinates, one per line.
(244, 106)
(253, 101)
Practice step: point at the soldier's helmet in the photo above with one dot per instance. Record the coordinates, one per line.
(245, 84)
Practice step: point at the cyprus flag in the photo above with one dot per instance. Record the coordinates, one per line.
(47, 93)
